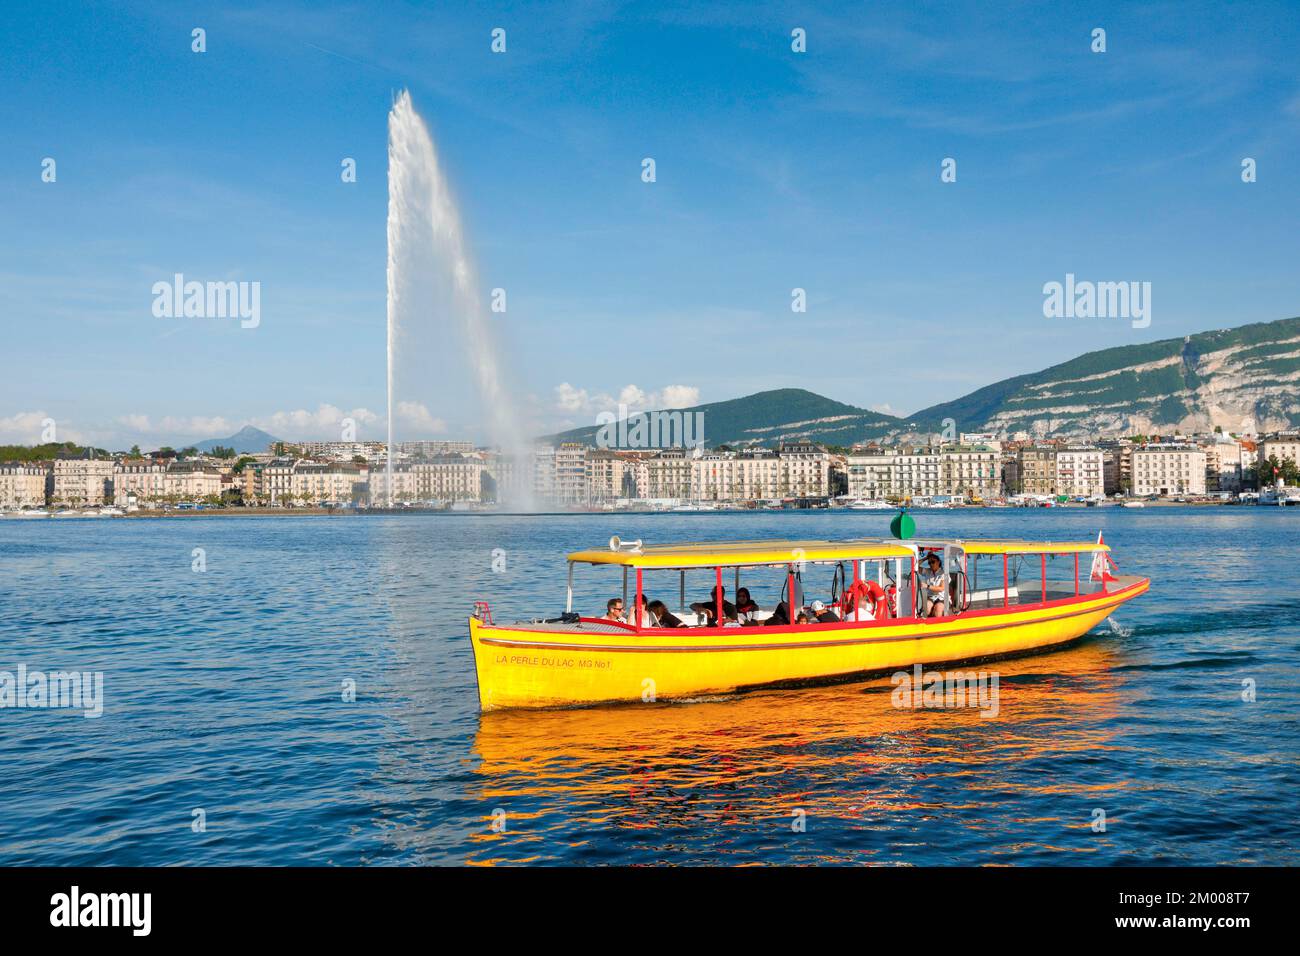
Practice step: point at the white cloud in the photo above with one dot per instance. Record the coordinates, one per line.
(322, 424)
(416, 416)
(570, 400)
(200, 427)
(25, 428)
(679, 396)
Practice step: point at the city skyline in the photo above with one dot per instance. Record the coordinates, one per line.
(775, 171)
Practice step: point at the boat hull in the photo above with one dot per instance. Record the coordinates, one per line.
(521, 666)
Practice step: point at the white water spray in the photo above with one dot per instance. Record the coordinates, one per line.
(426, 241)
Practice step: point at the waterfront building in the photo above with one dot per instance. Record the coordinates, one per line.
(1223, 469)
(571, 474)
(371, 451)
(141, 479)
(192, 481)
(448, 478)
(608, 476)
(986, 439)
(1033, 471)
(543, 473)
(1281, 446)
(1168, 469)
(316, 483)
(82, 482)
(404, 488)
(1080, 471)
(429, 449)
(970, 471)
(23, 485)
(804, 469)
(892, 473)
(665, 475)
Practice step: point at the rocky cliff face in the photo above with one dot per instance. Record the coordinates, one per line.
(1244, 379)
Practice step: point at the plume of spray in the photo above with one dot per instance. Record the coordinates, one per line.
(427, 242)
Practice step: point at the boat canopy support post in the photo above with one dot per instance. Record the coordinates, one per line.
(640, 611)
(717, 598)
(1044, 559)
(681, 590)
(624, 589)
(1076, 574)
(1006, 582)
(568, 596)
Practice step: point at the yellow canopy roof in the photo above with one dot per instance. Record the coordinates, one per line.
(1031, 547)
(740, 553)
(708, 554)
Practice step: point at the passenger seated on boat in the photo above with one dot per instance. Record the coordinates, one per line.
(660, 616)
(933, 586)
(802, 619)
(710, 608)
(858, 601)
(613, 610)
(745, 607)
(780, 615)
(822, 614)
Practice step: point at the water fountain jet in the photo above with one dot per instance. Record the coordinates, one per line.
(425, 236)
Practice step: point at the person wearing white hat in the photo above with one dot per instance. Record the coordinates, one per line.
(822, 613)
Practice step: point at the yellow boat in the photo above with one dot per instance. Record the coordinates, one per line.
(883, 613)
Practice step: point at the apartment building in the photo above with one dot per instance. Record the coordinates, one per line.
(448, 478)
(430, 449)
(607, 475)
(345, 450)
(571, 474)
(1168, 470)
(22, 486)
(970, 471)
(1080, 471)
(1033, 471)
(1223, 467)
(665, 475)
(1281, 446)
(82, 481)
(404, 485)
(890, 473)
(805, 469)
(319, 483)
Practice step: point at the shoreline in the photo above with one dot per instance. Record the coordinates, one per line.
(387, 512)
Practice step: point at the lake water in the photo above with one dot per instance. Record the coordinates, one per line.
(223, 693)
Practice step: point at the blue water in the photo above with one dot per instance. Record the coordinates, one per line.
(224, 693)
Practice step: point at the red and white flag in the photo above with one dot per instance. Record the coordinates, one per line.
(1100, 559)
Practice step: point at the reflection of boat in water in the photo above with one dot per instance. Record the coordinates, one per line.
(882, 615)
(691, 783)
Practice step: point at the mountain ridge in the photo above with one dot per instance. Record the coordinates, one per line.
(1238, 379)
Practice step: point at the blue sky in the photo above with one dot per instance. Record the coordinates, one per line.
(775, 170)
